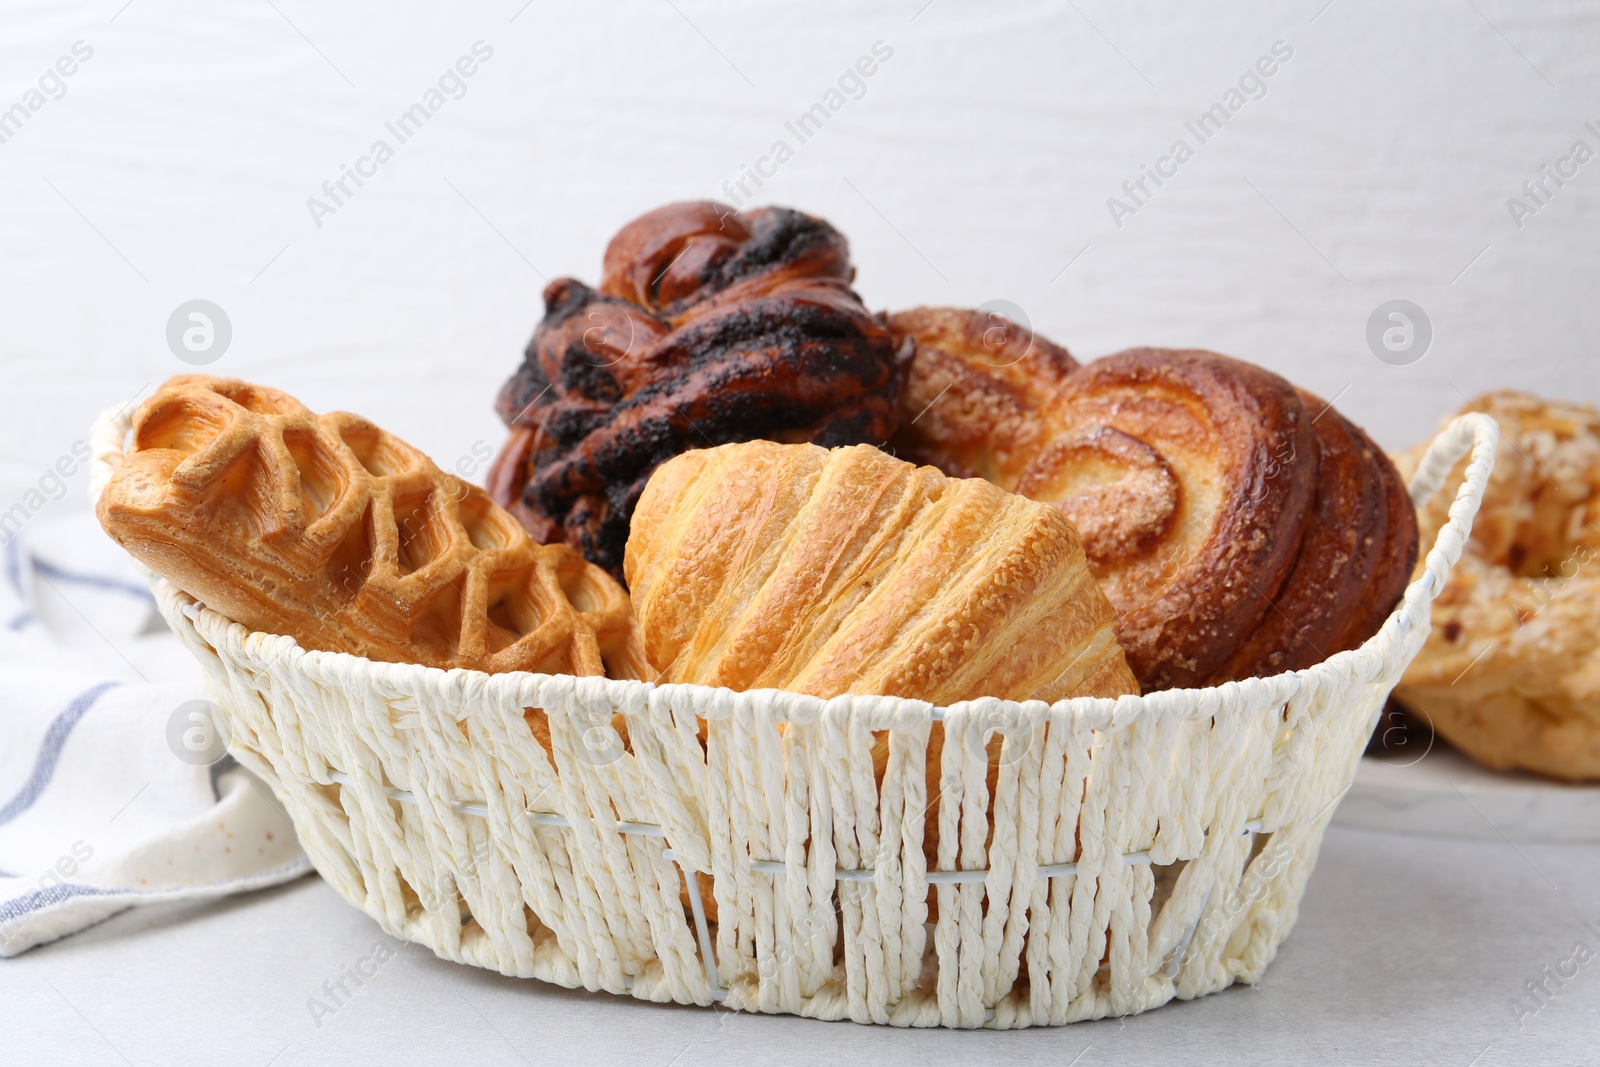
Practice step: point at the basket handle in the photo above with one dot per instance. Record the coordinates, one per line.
(110, 430)
(1472, 432)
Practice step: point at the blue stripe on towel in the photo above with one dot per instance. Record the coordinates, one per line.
(24, 905)
(17, 907)
(96, 581)
(14, 563)
(44, 765)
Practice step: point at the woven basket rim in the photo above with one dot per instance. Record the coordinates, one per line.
(1476, 432)
(320, 661)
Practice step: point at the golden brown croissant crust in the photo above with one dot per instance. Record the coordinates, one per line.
(763, 565)
(333, 532)
(709, 326)
(1238, 526)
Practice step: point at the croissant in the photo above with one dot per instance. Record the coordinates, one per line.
(1238, 526)
(763, 565)
(342, 536)
(709, 326)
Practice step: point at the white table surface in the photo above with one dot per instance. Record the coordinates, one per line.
(1408, 951)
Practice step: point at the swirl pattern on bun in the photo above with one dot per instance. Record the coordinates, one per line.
(1239, 526)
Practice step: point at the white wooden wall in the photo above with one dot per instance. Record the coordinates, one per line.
(974, 164)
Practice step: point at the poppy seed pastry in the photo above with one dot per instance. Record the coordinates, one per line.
(709, 326)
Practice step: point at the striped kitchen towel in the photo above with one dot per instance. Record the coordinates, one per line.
(116, 788)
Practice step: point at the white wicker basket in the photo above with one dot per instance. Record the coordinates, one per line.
(1142, 849)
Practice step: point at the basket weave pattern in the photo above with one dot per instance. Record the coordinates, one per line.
(1142, 849)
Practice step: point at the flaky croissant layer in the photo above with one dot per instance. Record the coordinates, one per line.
(837, 571)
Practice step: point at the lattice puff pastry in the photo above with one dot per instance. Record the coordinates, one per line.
(342, 536)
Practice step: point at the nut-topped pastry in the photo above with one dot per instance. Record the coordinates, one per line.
(1511, 671)
(709, 326)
